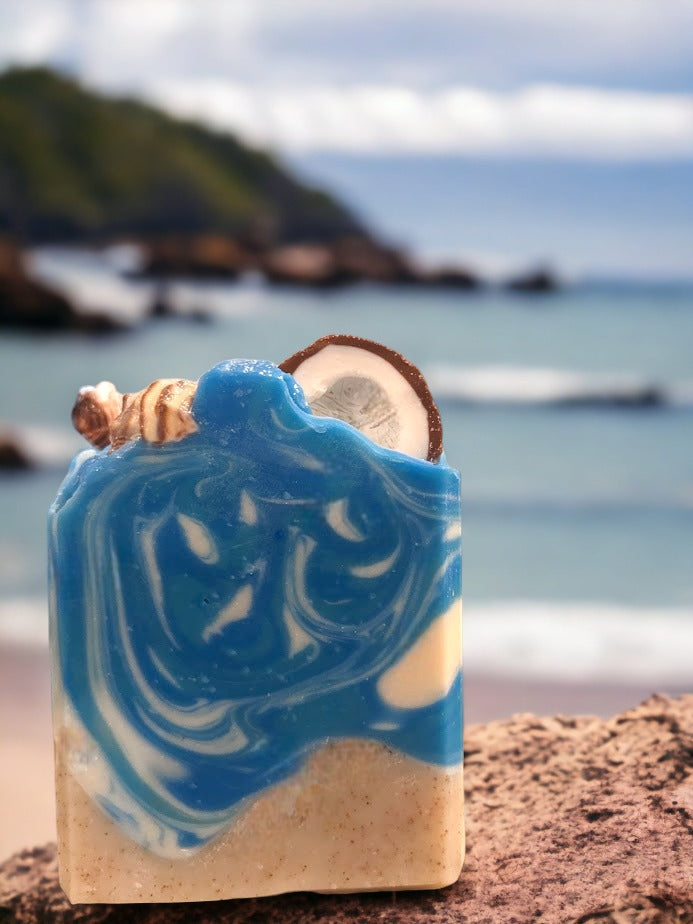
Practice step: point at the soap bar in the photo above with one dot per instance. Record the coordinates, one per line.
(256, 643)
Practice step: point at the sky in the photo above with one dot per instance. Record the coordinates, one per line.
(482, 98)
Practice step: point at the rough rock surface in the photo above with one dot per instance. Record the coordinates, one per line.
(569, 820)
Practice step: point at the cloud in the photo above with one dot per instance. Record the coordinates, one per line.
(488, 77)
(32, 32)
(546, 121)
(421, 44)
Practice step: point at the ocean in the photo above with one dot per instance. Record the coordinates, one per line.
(570, 417)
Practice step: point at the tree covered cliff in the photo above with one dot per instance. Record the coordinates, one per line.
(76, 165)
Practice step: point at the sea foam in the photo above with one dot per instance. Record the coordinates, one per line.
(519, 385)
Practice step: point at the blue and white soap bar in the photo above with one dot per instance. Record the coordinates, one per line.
(256, 636)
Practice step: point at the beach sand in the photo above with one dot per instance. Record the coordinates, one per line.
(27, 803)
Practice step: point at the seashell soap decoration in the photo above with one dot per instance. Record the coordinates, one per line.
(159, 413)
(256, 607)
(365, 384)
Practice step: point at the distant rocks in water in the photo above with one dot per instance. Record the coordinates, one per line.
(33, 448)
(205, 256)
(14, 457)
(363, 259)
(341, 263)
(163, 306)
(28, 304)
(535, 282)
(647, 396)
(317, 264)
(453, 277)
(303, 265)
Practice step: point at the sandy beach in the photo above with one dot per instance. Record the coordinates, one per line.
(27, 804)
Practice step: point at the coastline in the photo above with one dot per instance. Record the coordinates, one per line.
(26, 744)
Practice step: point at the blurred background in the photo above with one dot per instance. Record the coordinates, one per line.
(501, 190)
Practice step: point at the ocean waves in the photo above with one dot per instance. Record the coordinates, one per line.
(580, 641)
(518, 386)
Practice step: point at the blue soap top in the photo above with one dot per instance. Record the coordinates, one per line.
(225, 604)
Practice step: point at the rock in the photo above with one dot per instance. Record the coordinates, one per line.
(24, 302)
(164, 306)
(568, 820)
(345, 261)
(367, 260)
(13, 456)
(647, 396)
(28, 304)
(453, 277)
(205, 256)
(537, 281)
(320, 264)
(161, 307)
(304, 265)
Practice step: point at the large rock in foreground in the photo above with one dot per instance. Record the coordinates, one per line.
(569, 820)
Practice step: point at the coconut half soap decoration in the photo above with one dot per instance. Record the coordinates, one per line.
(373, 388)
(256, 634)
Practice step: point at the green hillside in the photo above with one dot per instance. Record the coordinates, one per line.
(78, 166)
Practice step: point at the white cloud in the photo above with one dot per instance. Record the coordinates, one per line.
(31, 32)
(537, 121)
(423, 44)
(396, 76)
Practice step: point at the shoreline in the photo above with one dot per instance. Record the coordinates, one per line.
(27, 802)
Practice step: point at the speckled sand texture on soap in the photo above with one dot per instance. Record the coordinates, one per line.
(359, 816)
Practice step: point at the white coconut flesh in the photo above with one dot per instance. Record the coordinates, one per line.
(366, 391)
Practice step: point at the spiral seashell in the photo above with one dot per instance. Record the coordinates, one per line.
(159, 413)
(95, 410)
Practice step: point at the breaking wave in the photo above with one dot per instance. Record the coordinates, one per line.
(519, 386)
(579, 641)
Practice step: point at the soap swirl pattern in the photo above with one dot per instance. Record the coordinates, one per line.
(223, 605)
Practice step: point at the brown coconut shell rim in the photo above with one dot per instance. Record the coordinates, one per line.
(406, 368)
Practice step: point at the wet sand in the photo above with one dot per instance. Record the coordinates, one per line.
(26, 745)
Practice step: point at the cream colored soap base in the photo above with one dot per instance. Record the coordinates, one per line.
(359, 816)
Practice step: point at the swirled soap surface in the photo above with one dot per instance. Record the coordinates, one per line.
(223, 605)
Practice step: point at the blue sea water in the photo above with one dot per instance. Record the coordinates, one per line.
(588, 216)
(570, 417)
